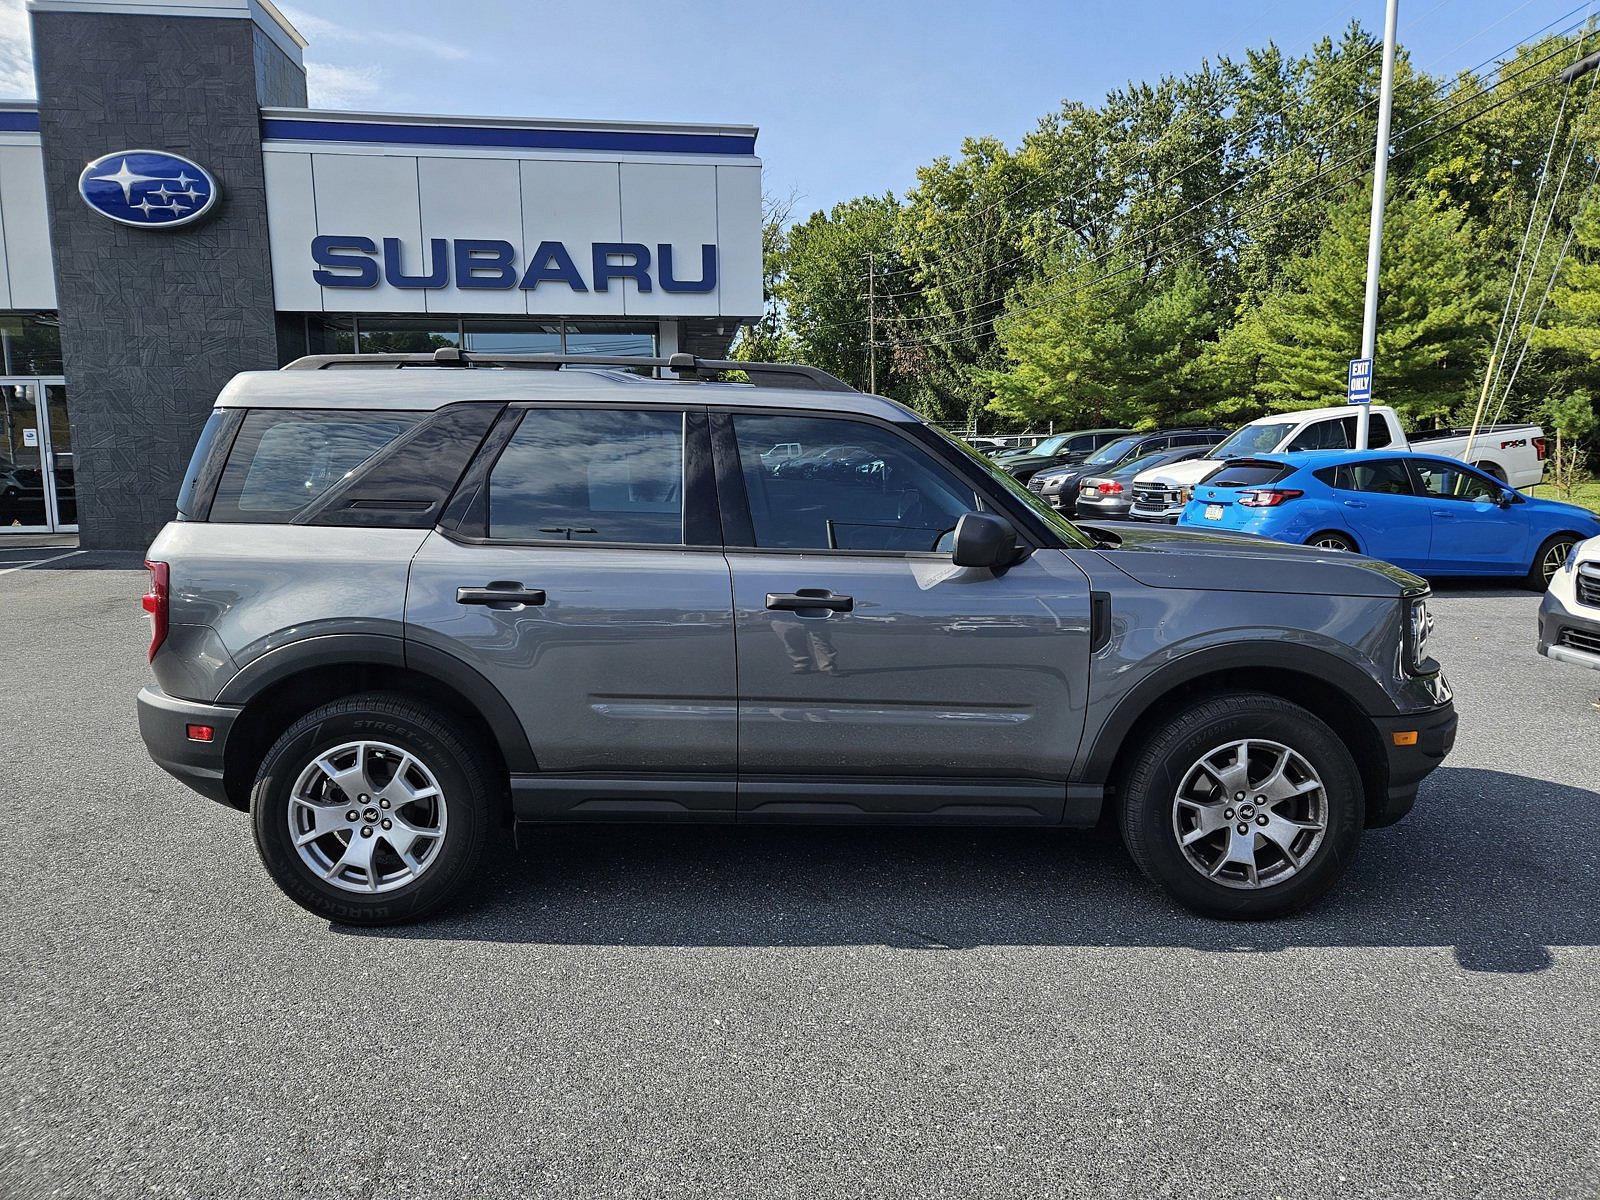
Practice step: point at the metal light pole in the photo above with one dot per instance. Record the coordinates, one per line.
(872, 323)
(1380, 180)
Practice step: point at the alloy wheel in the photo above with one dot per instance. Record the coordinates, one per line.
(1555, 557)
(1250, 813)
(367, 816)
(1331, 542)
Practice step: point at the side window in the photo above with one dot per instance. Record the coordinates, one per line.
(589, 475)
(854, 486)
(1080, 445)
(1444, 482)
(283, 459)
(1378, 435)
(1386, 478)
(1339, 434)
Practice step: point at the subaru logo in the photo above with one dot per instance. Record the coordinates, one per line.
(148, 188)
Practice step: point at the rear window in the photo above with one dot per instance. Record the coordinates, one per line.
(1248, 474)
(283, 459)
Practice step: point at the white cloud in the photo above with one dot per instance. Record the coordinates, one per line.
(331, 85)
(320, 29)
(16, 52)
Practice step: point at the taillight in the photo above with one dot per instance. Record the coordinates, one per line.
(156, 603)
(1268, 497)
(1541, 448)
(1110, 487)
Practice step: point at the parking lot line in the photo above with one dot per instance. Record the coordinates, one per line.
(39, 562)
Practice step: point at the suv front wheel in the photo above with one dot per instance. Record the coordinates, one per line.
(1243, 806)
(372, 810)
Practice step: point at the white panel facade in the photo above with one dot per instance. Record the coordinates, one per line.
(290, 228)
(577, 204)
(522, 200)
(30, 280)
(676, 206)
(472, 199)
(739, 235)
(368, 195)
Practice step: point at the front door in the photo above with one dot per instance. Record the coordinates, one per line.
(37, 493)
(1389, 519)
(876, 678)
(1471, 532)
(589, 594)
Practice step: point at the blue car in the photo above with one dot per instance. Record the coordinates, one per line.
(1435, 516)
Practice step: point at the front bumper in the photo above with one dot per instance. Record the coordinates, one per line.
(163, 724)
(1408, 765)
(1568, 634)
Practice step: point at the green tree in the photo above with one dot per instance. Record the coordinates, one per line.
(1435, 314)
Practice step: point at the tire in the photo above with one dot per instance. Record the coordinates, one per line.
(1332, 539)
(1552, 553)
(397, 748)
(1172, 763)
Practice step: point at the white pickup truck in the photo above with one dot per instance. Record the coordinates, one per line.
(1513, 454)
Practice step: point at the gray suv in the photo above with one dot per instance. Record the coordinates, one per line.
(411, 600)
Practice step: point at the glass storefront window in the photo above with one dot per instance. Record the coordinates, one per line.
(511, 337)
(611, 337)
(405, 335)
(30, 344)
(323, 333)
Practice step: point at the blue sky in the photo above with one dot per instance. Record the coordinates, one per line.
(850, 95)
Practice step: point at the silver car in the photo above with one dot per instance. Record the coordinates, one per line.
(400, 611)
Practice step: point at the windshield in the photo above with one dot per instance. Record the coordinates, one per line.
(1065, 529)
(1143, 463)
(1050, 445)
(1253, 439)
(1111, 452)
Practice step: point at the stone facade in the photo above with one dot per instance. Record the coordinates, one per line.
(154, 321)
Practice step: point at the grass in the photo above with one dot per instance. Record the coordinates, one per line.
(1586, 494)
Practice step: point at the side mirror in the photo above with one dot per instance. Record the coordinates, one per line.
(1507, 498)
(984, 540)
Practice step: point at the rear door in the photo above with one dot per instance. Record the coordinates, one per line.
(583, 577)
(1471, 532)
(1379, 502)
(876, 678)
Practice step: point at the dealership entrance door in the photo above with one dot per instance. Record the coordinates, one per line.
(37, 494)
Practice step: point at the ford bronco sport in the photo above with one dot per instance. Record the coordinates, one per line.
(409, 600)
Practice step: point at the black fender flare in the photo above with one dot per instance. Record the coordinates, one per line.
(374, 649)
(1320, 666)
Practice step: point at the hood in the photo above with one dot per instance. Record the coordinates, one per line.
(1180, 474)
(1169, 556)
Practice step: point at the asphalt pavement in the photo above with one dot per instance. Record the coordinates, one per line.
(774, 1013)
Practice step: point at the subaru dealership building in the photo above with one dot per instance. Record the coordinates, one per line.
(172, 213)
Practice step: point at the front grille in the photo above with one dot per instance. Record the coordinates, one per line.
(1155, 497)
(1588, 587)
(1580, 639)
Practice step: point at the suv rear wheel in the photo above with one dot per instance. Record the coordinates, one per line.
(372, 810)
(1243, 806)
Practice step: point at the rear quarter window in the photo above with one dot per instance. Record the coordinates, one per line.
(284, 459)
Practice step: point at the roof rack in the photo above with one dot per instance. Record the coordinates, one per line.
(686, 366)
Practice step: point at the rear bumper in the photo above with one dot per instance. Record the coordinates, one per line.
(1409, 765)
(163, 724)
(1105, 510)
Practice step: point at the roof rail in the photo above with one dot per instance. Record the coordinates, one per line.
(686, 366)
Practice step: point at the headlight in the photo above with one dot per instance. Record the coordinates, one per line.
(1419, 628)
(1186, 494)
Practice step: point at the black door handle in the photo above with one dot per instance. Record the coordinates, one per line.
(500, 594)
(809, 598)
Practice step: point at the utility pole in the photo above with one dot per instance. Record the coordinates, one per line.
(1380, 180)
(872, 323)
